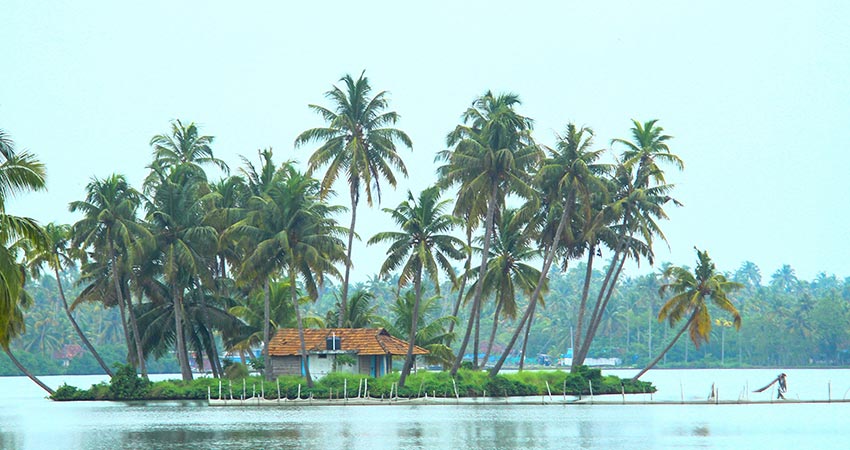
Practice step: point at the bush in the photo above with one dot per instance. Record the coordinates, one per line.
(126, 385)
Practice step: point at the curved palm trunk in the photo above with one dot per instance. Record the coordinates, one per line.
(182, 355)
(212, 353)
(464, 279)
(304, 357)
(27, 372)
(548, 257)
(666, 349)
(77, 326)
(137, 339)
(414, 321)
(476, 299)
(582, 309)
(343, 309)
(266, 325)
(134, 345)
(492, 335)
(601, 304)
(525, 338)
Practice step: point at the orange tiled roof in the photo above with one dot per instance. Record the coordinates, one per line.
(365, 341)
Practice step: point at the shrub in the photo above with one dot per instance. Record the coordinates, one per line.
(126, 385)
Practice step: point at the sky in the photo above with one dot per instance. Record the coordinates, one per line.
(755, 94)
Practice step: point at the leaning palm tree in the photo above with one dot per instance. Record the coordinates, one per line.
(568, 178)
(421, 247)
(508, 270)
(19, 173)
(690, 294)
(57, 255)
(492, 157)
(431, 333)
(360, 314)
(359, 144)
(110, 230)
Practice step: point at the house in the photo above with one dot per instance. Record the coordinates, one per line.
(367, 351)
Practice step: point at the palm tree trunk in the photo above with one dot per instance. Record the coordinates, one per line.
(548, 257)
(464, 279)
(137, 339)
(266, 325)
(408, 360)
(492, 335)
(582, 309)
(134, 345)
(525, 338)
(476, 298)
(212, 354)
(77, 326)
(305, 360)
(666, 349)
(596, 318)
(476, 337)
(343, 309)
(182, 355)
(27, 372)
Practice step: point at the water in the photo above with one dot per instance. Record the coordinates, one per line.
(27, 420)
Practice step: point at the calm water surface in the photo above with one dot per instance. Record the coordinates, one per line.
(27, 420)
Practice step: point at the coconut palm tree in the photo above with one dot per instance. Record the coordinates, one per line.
(359, 144)
(691, 292)
(361, 311)
(56, 256)
(431, 333)
(648, 146)
(181, 246)
(508, 272)
(290, 229)
(183, 146)
(19, 173)
(422, 247)
(568, 178)
(109, 229)
(492, 157)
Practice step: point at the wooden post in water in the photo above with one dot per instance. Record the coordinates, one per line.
(359, 386)
(277, 382)
(590, 383)
(623, 390)
(208, 394)
(230, 388)
(365, 387)
(682, 391)
(548, 390)
(345, 390)
(263, 389)
(219, 388)
(299, 391)
(243, 389)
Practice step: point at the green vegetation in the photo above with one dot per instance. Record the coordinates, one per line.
(126, 385)
(170, 275)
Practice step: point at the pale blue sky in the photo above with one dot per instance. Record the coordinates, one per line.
(756, 95)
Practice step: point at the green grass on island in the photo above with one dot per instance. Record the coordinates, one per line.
(125, 385)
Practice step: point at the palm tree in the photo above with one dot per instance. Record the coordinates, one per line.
(648, 146)
(19, 173)
(183, 146)
(493, 154)
(55, 256)
(690, 292)
(360, 314)
(508, 272)
(109, 228)
(420, 246)
(182, 245)
(358, 143)
(431, 333)
(288, 227)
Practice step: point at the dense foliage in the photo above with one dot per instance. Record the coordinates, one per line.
(126, 386)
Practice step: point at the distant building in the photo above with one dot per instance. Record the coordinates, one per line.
(368, 351)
